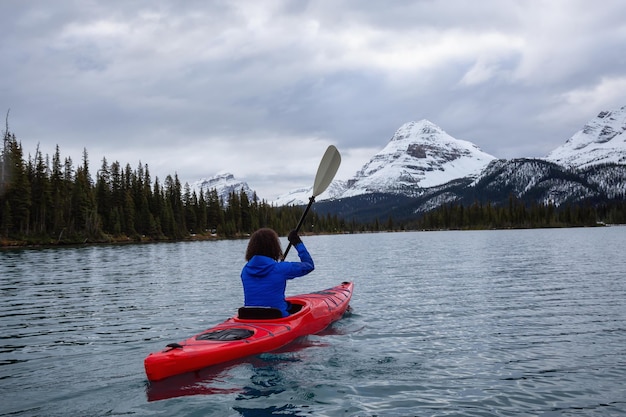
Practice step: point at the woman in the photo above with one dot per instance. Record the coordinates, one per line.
(264, 276)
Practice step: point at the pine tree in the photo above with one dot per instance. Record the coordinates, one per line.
(40, 192)
(19, 190)
(104, 198)
(246, 212)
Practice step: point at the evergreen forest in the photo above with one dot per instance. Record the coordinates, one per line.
(50, 201)
(520, 214)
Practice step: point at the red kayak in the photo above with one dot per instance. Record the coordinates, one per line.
(252, 331)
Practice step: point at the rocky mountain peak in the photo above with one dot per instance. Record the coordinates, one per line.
(419, 155)
(424, 128)
(602, 140)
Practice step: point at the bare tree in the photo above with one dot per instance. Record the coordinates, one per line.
(5, 150)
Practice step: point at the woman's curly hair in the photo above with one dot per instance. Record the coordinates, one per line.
(264, 242)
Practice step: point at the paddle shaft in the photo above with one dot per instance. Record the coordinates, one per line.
(306, 211)
(325, 174)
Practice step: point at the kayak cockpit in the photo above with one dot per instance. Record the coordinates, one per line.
(258, 313)
(267, 313)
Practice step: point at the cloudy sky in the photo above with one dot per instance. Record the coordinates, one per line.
(260, 88)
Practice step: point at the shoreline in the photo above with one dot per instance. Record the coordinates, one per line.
(8, 244)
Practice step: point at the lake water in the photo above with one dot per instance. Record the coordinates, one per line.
(489, 323)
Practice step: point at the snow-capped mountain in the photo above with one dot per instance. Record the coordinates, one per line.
(419, 155)
(590, 168)
(601, 141)
(224, 183)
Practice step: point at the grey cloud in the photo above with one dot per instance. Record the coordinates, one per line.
(151, 76)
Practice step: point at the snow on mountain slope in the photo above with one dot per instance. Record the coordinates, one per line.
(602, 140)
(545, 181)
(419, 155)
(301, 195)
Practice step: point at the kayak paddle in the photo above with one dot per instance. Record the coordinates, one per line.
(325, 173)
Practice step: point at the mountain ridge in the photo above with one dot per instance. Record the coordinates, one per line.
(423, 167)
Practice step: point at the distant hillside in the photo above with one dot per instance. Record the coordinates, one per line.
(530, 180)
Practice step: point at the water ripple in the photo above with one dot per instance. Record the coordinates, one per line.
(502, 323)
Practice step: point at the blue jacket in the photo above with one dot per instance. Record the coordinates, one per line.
(264, 279)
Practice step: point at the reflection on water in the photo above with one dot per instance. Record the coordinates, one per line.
(205, 382)
(214, 379)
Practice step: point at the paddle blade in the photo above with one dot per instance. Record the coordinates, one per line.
(326, 171)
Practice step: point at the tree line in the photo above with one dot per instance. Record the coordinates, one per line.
(519, 214)
(47, 200)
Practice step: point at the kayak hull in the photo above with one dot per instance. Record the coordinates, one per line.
(237, 338)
